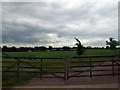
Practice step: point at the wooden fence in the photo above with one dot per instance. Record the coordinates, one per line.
(68, 66)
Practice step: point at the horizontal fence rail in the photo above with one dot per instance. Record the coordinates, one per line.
(65, 68)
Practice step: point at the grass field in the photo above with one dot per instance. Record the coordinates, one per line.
(49, 65)
(96, 52)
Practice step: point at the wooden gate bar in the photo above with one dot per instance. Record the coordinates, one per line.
(41, 69)
(90, 67)
(18, 63)
(65, 68)
(113, 73)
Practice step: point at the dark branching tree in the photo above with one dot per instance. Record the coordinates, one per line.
(80, 48)
(112, 43)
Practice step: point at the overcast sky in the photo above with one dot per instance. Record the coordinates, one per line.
(58, 22)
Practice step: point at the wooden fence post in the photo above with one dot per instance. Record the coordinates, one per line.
(18, 64)
(41, 69)
(66, 68)
(90, 67)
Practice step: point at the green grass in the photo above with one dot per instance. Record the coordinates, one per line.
(49, 65)
(88, 52)
(100, 52)
(43, 54)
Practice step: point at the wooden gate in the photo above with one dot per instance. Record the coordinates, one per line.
(65, 68)
(90, 66)
(44, 67)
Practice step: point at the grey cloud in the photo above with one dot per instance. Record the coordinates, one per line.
(43, 22)
(25, 33)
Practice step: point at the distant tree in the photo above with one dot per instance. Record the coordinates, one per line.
(50, 48)
(107, 47)
(42, 48)
(0, 49)
(36, 48)
(102, 47)
(66, 48)
(57, 49)
(13, 49)
(4, 49)
(89, 47)
(112, 43)
(80, 48)
(22, 49)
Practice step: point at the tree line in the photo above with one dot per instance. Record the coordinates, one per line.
(43, 48)
(111, 44)
(36, 49)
